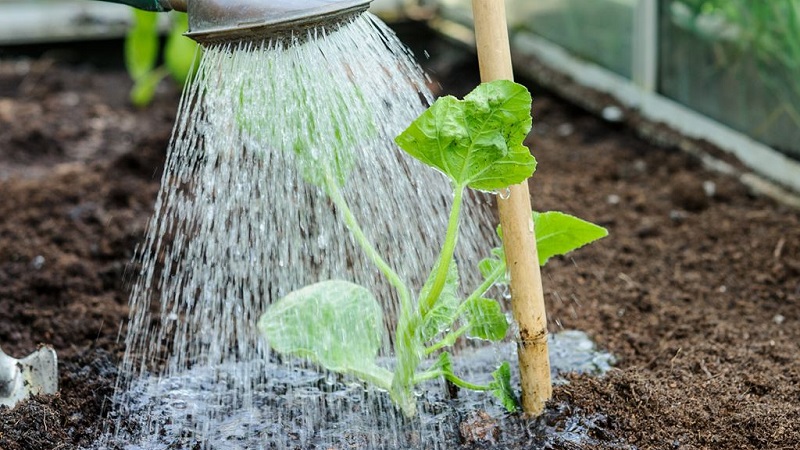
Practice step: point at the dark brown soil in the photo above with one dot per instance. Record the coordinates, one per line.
(697, 293)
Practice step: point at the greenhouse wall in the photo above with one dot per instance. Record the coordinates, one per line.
(726, 71)
(737, 61)
(600, 31)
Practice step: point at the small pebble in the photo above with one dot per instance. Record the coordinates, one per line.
(613, 199)
(677, 215)
(779, 319)
(565, 129)
(612, 114)
(38, 262)
(70, 99)
(22, 67)
(710, 188)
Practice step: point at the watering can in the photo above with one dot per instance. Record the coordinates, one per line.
(20, 378)
(221, 21)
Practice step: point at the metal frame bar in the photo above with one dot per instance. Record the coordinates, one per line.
(644, 68)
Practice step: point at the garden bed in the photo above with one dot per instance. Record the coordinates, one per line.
(696, 291)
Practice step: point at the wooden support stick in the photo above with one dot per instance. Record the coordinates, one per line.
(519, 241)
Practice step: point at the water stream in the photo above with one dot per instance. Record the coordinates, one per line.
(237, 225)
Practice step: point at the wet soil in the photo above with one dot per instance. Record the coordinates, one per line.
(696, 291)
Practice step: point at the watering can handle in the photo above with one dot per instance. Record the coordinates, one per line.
(154, 5)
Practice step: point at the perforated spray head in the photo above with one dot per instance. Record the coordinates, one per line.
(222, 21)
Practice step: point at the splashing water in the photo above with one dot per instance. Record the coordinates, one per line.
(237, 225)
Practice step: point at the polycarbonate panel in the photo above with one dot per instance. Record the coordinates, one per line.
(737, 61)
(596, 30)
(600, 31)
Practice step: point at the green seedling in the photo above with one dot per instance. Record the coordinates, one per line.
(142, 47)
(477, 143)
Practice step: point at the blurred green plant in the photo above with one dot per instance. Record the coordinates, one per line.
(142, 48)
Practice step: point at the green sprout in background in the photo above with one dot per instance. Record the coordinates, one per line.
(477, 143)
(142, 48)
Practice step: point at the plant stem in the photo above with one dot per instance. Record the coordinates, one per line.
(490, 281)
(449, 376)
(407, 345)
(352, 224)
(446, 255)
(428, 375)
(466, 384)
(448, 340)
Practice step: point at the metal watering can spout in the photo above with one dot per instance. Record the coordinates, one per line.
(223, 21)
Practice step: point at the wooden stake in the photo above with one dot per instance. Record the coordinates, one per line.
(519, 241)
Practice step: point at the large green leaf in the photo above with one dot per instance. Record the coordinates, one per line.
(336, 324)
(443, 313)
(486, 319)
(558, 233)
(476, 142)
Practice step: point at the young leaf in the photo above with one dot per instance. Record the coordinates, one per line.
(141, 44)
(501, 388)
(486, 319)
(488, 265)
(558, 233)
(443, 313)
(336, 324)
(476, 142)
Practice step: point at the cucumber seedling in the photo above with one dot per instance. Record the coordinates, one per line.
(477, 143)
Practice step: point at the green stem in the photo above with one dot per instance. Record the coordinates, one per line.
(466, 384)
(431, 374)
(406, 345)
(448, 340)
(428, 375)
(490, 281)
(352, 224)
(446, 255)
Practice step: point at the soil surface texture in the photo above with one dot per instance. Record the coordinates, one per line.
(696, 290)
